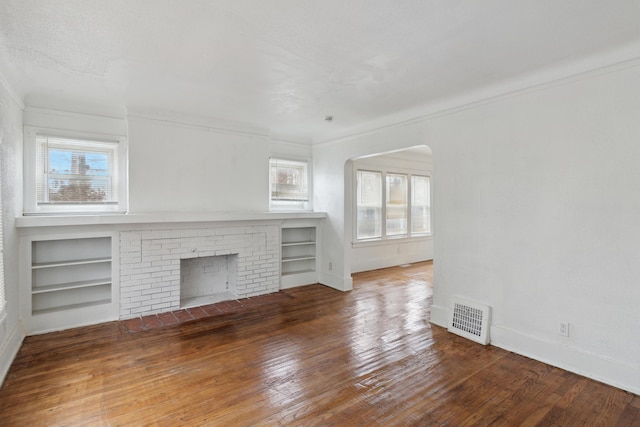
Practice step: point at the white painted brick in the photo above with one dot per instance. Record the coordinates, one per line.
(129, 294)
(140, 276)
(258, 264)
(160, 305)
(130, 306)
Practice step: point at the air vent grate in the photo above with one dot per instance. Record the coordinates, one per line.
(470, 320)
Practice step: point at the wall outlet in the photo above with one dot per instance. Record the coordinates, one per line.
(563, 329)
(330, 266)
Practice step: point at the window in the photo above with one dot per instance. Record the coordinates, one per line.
(369, 205)
(74, 175)
(392, 205)
(397, 202)
(289, 181)
(420, 205)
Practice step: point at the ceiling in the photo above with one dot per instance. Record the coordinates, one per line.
(283, 65)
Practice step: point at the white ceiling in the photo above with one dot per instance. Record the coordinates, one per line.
(283, 65)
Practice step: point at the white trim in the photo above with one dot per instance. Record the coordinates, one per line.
(391, 241)
(160, 218)
(336, 282)
(69, 114)
(197, 122)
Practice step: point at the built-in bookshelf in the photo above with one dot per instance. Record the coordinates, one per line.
(298, 256)
(71, 282)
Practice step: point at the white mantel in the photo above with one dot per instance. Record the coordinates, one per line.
(159, 218)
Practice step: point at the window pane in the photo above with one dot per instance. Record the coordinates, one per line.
(289, 181)
(78, 176)
(77, 172)
(420, 205)
(369, 205)
(397, 194)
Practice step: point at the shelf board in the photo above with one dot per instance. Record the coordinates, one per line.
(70, 285)
(291, 273)
(307, 242)
(298, 258)
(71, 306)
(70, 262)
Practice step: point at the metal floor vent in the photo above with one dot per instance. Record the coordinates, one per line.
(470, 320)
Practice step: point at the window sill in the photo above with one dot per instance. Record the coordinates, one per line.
(390, 241)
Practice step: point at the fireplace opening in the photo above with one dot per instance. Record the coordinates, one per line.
(207, 280)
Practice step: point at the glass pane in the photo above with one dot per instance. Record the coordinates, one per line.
(289, 181)
(369, 205)
(78, 176)
(420, 205)
(397, 194)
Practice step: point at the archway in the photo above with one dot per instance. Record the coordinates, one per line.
(394, 228)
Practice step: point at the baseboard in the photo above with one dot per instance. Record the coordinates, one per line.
(336, 282)
(10, 349)
(609, 371)
(613, 372)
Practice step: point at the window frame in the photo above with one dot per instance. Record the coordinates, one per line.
(411, 206)
(291, 205)
(385, 238)
(32, 178)
(381, 206)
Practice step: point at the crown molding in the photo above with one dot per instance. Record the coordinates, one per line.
(195, 122)
(625, 57)
(12, 93)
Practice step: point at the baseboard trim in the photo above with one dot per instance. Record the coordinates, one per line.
(609, 371)
(336, 282)
(10, 349)
(624, 376)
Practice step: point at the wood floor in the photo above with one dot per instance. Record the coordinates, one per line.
(312, 356)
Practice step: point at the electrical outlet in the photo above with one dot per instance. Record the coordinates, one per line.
(330, 266)
(563, 329)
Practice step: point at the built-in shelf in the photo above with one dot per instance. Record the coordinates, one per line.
(298, 243)
(299, 272)
(71, 285)
(70, 281)
(298, 255)
(71, 306)
(70, 263)
(297, 258)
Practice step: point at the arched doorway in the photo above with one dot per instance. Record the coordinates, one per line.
(388, 209)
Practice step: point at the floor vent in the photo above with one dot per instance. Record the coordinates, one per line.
(470, 320)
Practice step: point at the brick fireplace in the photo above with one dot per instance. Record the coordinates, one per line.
(150, 263)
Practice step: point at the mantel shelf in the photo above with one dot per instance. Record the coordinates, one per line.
(160, 218)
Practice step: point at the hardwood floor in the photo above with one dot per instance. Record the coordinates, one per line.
(306, 356)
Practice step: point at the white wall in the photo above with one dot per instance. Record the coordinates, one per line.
(181, 168)
(11, 330)
(387, 253)
(535, 213)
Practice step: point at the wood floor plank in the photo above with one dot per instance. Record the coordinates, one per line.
(303, 357)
